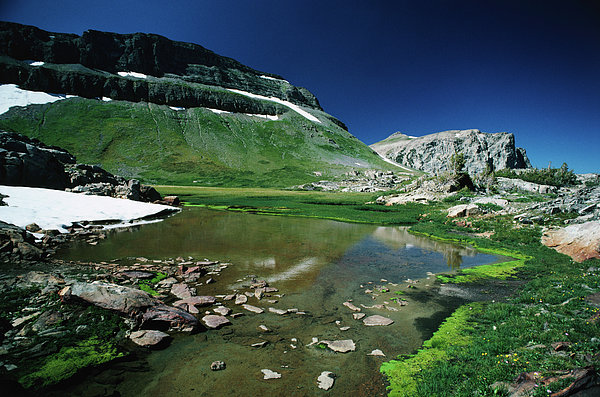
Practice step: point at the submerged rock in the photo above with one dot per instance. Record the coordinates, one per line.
(169, 318)
(253, 309)
(148, 338)
(326, 380)
(217, 366)
(377, 320)
(268, 374)
(351, 306)
(340, 346)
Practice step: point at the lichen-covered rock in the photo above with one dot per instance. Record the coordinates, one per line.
(431, 153)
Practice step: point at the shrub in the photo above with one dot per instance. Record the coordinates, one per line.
(558, 177)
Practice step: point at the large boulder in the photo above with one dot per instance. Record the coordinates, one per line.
(125, 300)
(17, 243)
(169, 318)
(580, 241)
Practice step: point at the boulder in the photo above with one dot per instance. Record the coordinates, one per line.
(168, 318)
(462, 210)
(579, 241)
(125, 300)
(149, 338)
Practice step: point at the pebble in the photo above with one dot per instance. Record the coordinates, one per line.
(260, 344)
(376, 352)
(263, 328)
(358, 316)
(351, 306)
(268, 374)
(240, 299)
(217, 365)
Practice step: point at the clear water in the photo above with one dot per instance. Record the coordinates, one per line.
(317, 265)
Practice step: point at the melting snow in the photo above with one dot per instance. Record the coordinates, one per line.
(106, 99)
(36, 63)
(132, 74)
(218, 111)
(56, 209)
(273, 78)
(264, 116)
(393, 162)
(176, 108)
(11, 95)
(290, 105)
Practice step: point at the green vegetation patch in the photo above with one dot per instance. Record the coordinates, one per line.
(69, 361)
(148, 285)
(404, 374)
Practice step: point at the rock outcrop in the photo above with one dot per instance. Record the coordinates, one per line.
(580, 241)
(431, 153)
(29, 162)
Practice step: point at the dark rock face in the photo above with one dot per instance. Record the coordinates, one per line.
(86, 66)
(28, 162)
(24, 159)
(431, 153)
(17, 243)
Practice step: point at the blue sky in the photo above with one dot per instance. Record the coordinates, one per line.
(527, 67)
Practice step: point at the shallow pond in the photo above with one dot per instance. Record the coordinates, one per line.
(316, 265)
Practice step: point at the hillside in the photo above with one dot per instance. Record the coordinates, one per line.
(146, 107)
(431, 153)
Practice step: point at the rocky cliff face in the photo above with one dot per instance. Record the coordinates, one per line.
(94, 65)
(431, 153)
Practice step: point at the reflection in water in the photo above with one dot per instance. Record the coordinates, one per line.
(399, 237)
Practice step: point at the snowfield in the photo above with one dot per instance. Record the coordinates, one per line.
(11, 95)
(56, 209)
(290, 105)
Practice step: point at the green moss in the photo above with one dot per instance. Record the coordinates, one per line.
(404, 374)
(69, 360)
(148, 285)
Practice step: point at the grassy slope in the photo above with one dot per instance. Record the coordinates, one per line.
(159, 145)
(482, 343)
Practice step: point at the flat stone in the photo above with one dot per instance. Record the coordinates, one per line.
(222, 310)
(263, 328)
(110, 296)
(173, 318)
(277, 311)
(344, 328)
(240, 299)
(229, 297)
(377, 320)
(580, 241)
(260, 344)
(148, 338)
(252, 309)
(214, 321)
(351, 306)
(376, 352)
(182, 291)
(340, 346)
(268, 374)
(358, 316)
(326, 380)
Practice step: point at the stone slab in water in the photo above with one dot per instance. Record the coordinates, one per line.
(268, 374)
(147, 338)
(326, 380)
(377, 320)
(215, 321)
(340, 346)
(253, 309)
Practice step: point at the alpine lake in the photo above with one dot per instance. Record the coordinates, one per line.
(316, 265)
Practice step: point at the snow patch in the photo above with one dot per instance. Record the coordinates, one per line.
(264, 116)
(106, 99)
(11, 95)
(393, 162)
(132, 74)
(218, 111)
(290, 105)
(273, 78)
(56, 209)
(177, 109)
(36, 63)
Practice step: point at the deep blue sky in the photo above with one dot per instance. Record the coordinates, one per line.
(527, 67)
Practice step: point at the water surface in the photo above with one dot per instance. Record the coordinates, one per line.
(317, 265)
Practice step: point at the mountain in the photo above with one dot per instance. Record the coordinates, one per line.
(143, 106)
(431, 153)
